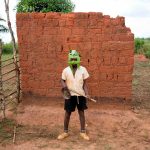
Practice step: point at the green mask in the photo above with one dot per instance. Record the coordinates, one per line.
(73, 58)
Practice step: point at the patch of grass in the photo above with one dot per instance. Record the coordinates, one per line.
(42, 146)
(27, 133)
(107, 147)
(135, 82)
(145, 135)
(143, 64)
(6, 56)
(6, 129)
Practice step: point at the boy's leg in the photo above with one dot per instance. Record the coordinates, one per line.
(66, 121)
(82, 120)
(66, 124)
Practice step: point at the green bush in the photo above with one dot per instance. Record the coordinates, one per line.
(147, 54)
(142, 46)
(45, 6)
(139, 45)
(7, 48)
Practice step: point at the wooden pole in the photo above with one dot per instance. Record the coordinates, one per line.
(2, 98)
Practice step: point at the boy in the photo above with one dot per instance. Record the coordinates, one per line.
(74, 78)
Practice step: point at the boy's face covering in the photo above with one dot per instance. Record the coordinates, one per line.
(74, 59)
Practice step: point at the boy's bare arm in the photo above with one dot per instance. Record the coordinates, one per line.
(63, 83)
(85, 88)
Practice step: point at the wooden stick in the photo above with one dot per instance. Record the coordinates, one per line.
(14, 137)
(84, 96)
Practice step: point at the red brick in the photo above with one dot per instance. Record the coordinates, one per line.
(82, 23)
(80, 15)
(122, 60)
(52, 15)
(78, 31)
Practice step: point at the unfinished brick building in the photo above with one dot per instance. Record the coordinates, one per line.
(106, 46)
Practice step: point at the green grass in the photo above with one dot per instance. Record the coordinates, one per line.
(6, 56)
(6, 129)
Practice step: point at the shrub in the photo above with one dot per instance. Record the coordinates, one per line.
(139, 43)
(147, 54)
(7, 48)
(45, 6)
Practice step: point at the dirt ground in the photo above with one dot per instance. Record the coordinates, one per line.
(110, 125)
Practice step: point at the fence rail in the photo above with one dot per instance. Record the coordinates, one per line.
(9, 82)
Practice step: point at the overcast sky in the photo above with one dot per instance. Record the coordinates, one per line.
(136, 13)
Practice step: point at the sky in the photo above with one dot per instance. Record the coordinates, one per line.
(136, 13)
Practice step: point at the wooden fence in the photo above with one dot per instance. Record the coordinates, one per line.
(9, 83)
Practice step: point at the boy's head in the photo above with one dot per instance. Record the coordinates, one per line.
(73, 58)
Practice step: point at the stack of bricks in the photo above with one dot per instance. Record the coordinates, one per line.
(105, 44)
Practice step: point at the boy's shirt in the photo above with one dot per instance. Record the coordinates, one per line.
(75, 82)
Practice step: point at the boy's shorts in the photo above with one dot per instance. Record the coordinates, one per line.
(75, 101)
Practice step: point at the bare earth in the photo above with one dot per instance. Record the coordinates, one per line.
(111, 126)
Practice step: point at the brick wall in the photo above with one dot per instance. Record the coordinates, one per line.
(105, 44)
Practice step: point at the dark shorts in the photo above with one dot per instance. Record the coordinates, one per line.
(75, 101)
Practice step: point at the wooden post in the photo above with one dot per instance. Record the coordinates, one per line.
(2, 99)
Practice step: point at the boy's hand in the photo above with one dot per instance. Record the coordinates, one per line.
(66, 93)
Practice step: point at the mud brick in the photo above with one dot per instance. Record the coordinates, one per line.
(125, 37)
(121, 20)
(70, 15)
(92, 23)
(107, 21)
(103, 76)
(78, 31)
(114, 60)
(96, 45)
(115, 21)
(93, 53)
(64, 31)
(95, 15)
(69, 23)
(39, 15)
(75, 39)
(110, 77)
(52, 15)
(80, 15)
(99, 61)
(62, 23)
(72, 46)
(107, 60)
(85, 46)
(122, 60)
(124, 69)
(22, 16)
(130, 60)
(127, 53)
(115, 37)
(50, 31)
(82, 23)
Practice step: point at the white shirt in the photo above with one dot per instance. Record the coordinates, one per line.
(75, 82)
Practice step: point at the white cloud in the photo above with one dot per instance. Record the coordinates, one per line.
(136, 13)
(6, 37)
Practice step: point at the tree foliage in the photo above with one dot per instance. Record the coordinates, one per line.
(2, 27)
(45, 6)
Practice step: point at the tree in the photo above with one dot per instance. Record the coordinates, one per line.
(2, 27)
(45, 6)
